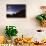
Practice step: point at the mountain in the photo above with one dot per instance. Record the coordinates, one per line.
(20, 14)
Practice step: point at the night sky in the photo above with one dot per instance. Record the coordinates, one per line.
(14, 8)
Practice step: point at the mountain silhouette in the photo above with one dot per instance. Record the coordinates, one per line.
(20, 14)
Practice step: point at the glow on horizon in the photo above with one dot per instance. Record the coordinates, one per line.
(11, 12)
